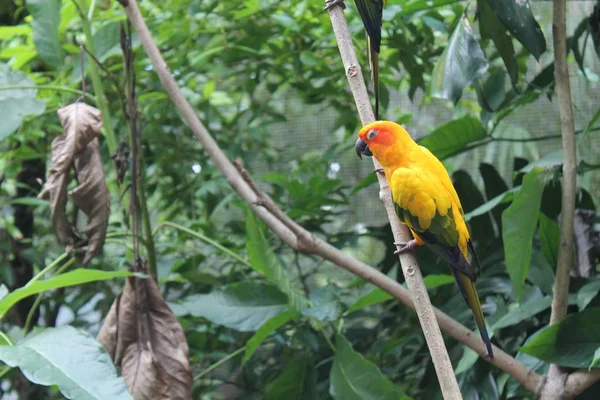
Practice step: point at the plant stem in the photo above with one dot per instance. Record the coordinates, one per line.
(149, 238)
(219, 363)
(6, 338)
(555, 386)
(50, 87)
(109, 132)
(39, 297)
(203, 238)
(48, 268)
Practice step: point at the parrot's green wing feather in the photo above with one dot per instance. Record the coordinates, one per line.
(371, 12)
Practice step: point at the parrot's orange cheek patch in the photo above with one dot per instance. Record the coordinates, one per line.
(384, 138)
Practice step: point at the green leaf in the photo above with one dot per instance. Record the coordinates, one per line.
(571, 342)
(433, 280)
(30, 201)
(297, 381)
(517, 17)
(76, 277)
(587, 293)
(491, 27)
(375, 296)
(326, 304)
(263, 260)
(452, 137)
(46, 20)
(519, 222)
(550, 237)
(485, 207)
(521, 312)
(3, 291)
(15, 104)
(355, 378)
(243, 306)
(461, 62)
(596, 361)
(494, 186)
(265, 330)
(85, 373)
(549, 161)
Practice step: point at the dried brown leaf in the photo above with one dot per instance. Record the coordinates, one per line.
(91, 197)
(82, 124)
(146, 340)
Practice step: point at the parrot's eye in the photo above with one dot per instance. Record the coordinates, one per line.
(371, 134)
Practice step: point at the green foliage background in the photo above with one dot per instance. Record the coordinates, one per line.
(266, 79)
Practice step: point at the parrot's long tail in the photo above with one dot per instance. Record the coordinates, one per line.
(374, 68)
(467, 288)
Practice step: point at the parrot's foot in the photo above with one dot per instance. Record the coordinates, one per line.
(333, 3)
(403, 247)
(379, 171)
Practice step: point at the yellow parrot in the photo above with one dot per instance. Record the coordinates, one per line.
(427, 203)
(371, 12)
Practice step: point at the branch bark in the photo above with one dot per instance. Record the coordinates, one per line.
(410, 267)
(292, 233)
(555, 385)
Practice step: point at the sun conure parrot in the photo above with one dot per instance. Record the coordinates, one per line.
(371, 14)
(426, 201)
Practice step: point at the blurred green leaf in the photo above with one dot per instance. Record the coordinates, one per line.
(453, 136)
(355, 378)
(491, 94)
(491, 27)
(571, 342)
(521, 312)
(243, 306)
(46, 19)
(490, 205)
(297, 381)
(17, 102)
(263, 260)
(76, 277)
(30, 201)
(550, 237)
(265, 330)
(461, 62)
(3, 291)
(548, 162)
(587, 293)
(517, 17)
(519, 222)
(87, 373)
(375, 296)
(494, 186)
(326, 304)
(436, 280)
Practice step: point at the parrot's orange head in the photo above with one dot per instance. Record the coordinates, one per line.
(379, 138)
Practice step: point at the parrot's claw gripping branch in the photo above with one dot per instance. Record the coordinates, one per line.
(404, 247)
(333, 3)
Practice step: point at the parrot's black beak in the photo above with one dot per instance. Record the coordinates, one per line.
(362, 149)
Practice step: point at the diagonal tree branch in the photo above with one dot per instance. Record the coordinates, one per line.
(239, 183)
(410, 267)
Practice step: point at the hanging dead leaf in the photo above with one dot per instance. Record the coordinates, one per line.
(76, 148)
(146, 340)
(91, 197)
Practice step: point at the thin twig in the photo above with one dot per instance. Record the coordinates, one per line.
(502, 360)
(555, 385)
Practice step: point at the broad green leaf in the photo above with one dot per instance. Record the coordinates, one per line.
(326, 304)
(76, 277)
(243, 306)
(549, 161)
(9, 32)
(435, 280)
(263, 260)
(453, 136)
(30, 201)
(375, 296)
(519, 222)
(491, 27)
(85, 373)
(46, 20)
(297, 381)
(468, 359)
(587, 293)
(596, 361)
(353, 377)
(550, 237)
(485, 207)
(491, 94)
(265, 330)
(521, 312)
(15, 104)
(461, 62)
(517, 17)
(571, 342)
